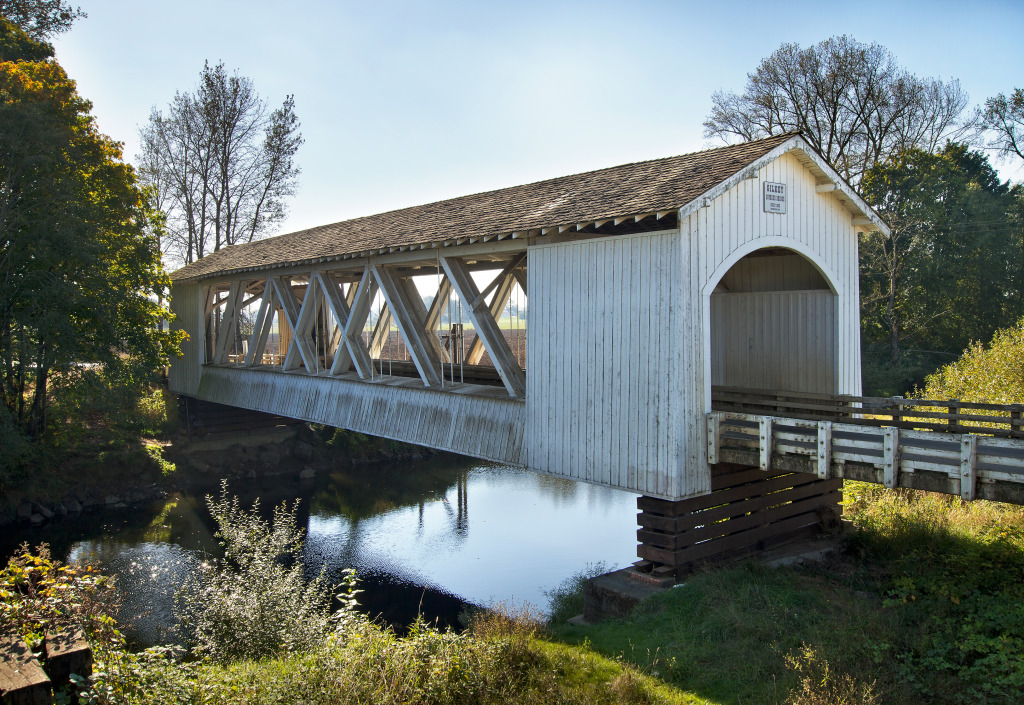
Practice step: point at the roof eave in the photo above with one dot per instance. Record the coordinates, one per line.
(859, 210)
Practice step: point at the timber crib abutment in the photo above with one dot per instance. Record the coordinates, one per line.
(747, 511)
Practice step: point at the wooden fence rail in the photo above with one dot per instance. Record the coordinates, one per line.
(969, 465)
(949, 415)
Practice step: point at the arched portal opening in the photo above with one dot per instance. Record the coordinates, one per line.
(774, 325)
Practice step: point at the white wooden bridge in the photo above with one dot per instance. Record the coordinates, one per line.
(642, 286)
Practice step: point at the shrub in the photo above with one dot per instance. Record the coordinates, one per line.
(255, 601)
(39, 594)
(821, 685)
(992, 373)
(954, 569)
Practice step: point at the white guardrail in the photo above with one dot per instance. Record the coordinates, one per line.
(827, 445)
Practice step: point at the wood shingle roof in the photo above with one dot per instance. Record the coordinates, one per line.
(642, 187)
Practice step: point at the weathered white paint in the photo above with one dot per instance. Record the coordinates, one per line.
(619, 365)
(971, 464)
(486, 427)
(189, 307)
(603, 362)
(817, 226)
(777, 272)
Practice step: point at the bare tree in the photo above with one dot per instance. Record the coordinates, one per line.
(851, 100)
(40, 19)
(1002, 119)
(220, 164)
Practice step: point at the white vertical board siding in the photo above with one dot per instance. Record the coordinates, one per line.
(718, 236)
(481, 427)
(188, 306)
(775, 340)
(603, 362)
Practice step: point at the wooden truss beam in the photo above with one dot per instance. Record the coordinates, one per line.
(380, 331)
(436, 310)
(508, 280)
(261, 329)
(500, 279)
(352, 351)
(411, 324)
(229, 322)
(361, 297)
(300, 348)
(486, 328)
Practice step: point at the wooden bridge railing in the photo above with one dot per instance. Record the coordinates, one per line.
(968, 465)
(950, 415)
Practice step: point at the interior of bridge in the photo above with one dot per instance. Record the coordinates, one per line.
(774, 325)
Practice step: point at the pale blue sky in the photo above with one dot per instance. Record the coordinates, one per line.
(404, 103)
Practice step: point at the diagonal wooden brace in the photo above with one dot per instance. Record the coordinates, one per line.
(261, 330)
(352, 348)
(410, 324)
(486, 328)
(300, 345)
(361, 297)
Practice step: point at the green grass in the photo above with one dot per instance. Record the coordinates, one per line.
(925, 606)
(496, 661)
(725, 635)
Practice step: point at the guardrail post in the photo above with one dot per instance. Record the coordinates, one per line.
(891, 455)
(714, 428)
(824, 449)
(968, 466)
(764, 442)
(954, 410)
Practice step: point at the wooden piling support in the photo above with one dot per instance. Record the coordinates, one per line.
(747, 511)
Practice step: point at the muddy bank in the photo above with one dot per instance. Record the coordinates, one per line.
(197, 459)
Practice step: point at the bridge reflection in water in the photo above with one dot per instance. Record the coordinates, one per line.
(415, 544)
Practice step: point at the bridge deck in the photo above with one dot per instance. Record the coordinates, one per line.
(861, 438)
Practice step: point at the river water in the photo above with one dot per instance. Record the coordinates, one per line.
(425, 537)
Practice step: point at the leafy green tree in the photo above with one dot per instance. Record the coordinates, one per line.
(17, 45)
(40, 19)
(992, 373)
(80, 273)
(951, 271)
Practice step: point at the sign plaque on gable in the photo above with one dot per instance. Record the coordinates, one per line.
(774, 197)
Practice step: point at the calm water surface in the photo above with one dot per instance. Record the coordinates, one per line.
(424, 537)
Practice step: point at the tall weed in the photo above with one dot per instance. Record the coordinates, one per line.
(565, 601)
(255, 601)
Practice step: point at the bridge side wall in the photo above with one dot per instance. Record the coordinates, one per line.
(489, 428)
(187, 305)
(604, 366)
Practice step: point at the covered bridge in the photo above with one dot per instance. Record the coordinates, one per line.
(573, 326)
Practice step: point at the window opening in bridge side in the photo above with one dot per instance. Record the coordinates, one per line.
(341, 322)
(231, 313)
